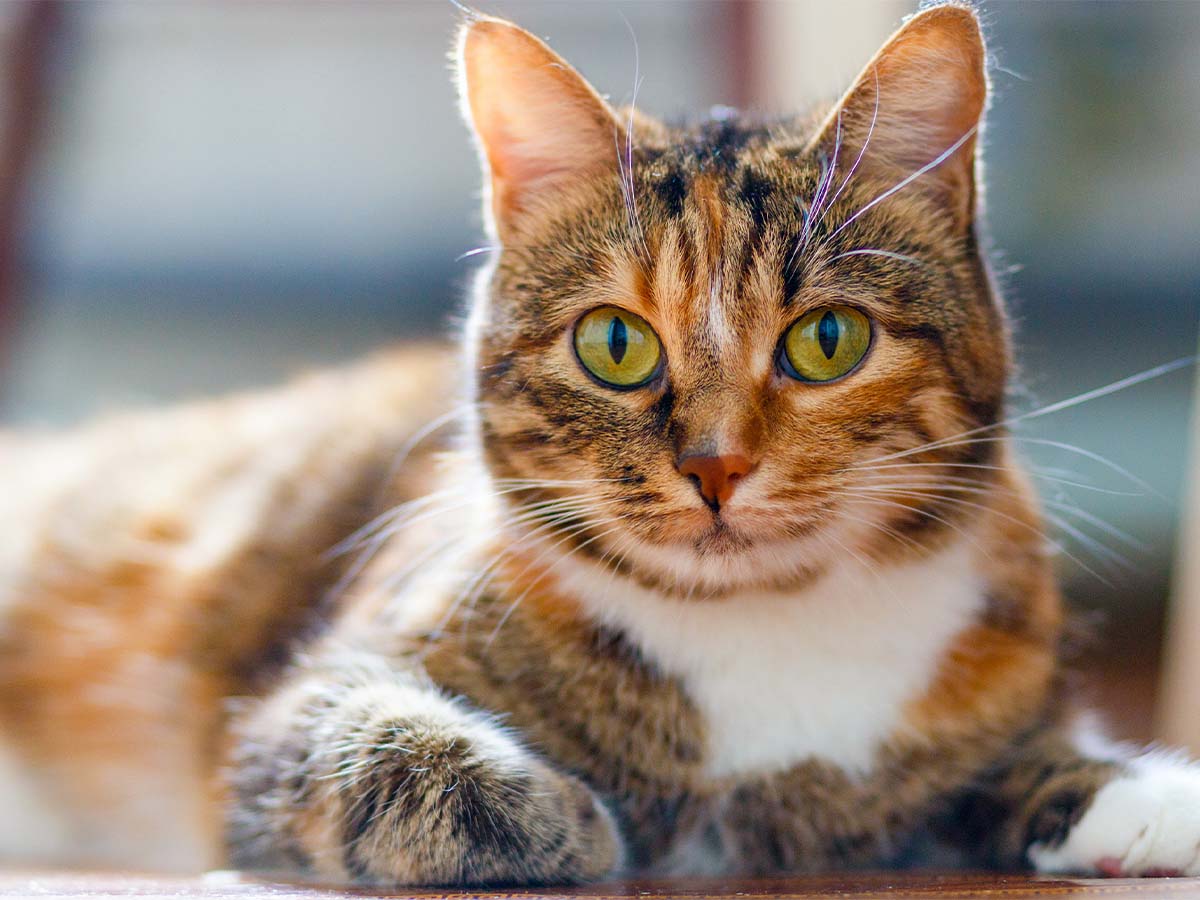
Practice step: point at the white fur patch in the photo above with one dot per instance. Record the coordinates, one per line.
(1142, 823)
(718, 325)
(779, 679)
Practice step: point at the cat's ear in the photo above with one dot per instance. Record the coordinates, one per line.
(539, 124)
(918, 105)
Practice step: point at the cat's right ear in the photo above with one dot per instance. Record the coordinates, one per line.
(539, 124)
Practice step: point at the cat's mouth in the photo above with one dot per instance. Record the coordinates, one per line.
(721, 537)
(738, 528)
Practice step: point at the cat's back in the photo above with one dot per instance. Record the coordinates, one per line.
(156, 563)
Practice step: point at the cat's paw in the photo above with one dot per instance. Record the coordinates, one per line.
(444, 796)
(1144, 823)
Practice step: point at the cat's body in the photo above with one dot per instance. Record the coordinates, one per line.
(743, 578)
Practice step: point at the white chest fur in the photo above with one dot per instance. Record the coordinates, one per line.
(825, 673)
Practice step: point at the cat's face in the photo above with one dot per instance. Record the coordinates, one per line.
(696, 344)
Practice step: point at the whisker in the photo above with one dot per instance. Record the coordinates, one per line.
(479, 581)
(828, 167)
(475, 252)
(1096, 522)
(969, 486)
(1058, 406)
(363, 559)
(420, 435)
(1094, 394)
(568, 515)
(1036, 472)
(1072, 531)
(932, 164)
(890, 254)
(407, 514)
(625, 166)
(864, 497)
(512, 607)
(886, 529)
(861, 153)
(371, 529)
(947, 443)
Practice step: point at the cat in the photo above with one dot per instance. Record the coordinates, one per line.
(729, 568)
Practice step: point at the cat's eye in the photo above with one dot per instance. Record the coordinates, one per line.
(826, 344)
(617, 347)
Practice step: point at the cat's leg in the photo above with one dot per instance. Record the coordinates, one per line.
(357, 771)
(1076, 804)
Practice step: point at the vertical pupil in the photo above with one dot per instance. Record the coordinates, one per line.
(618, 339)
(827, 334)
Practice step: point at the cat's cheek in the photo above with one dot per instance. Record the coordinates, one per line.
(1141, 824)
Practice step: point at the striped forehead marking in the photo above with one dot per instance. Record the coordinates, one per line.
(706, 192)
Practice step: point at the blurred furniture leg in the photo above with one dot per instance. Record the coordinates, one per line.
(34, 24)
(1179, 704)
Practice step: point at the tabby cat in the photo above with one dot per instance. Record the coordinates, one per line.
(730, 568)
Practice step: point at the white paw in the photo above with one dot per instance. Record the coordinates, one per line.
(1143, 823)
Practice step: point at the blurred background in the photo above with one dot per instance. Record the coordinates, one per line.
(204, 195)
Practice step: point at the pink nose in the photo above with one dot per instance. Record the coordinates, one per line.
(715, 476)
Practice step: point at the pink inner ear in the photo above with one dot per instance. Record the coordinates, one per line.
(532, 151)
(538, 122)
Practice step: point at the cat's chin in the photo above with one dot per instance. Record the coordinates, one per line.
(726, 558)
(722, 538)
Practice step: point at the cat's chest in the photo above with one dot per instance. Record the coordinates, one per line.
(778, 680)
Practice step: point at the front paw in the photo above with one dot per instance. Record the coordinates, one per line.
(466, 806)
(1143, 823)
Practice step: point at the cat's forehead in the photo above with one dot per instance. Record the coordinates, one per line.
(746, 158)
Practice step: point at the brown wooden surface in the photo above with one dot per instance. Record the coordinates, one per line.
(229, 886)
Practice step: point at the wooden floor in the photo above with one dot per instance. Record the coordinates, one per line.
(230, 886)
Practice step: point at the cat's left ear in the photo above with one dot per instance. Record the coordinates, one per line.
(539, 124)
(918, 105)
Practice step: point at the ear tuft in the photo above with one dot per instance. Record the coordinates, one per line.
(539, 124)
(922, 97)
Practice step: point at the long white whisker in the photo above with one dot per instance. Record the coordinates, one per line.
(861, 153)
(1096, 522)
(886, 529)
(932, 164)
(627, 181)
(470, 593)
(817, 207)
(420, 435)
(948, 443)
(1033, 470)
(1094, 394)
(491, 248)
(512, 607)
(881, 499)
(969, 486)
(941, 498)
(889, 254)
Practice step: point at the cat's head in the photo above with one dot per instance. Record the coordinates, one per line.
(696, 349)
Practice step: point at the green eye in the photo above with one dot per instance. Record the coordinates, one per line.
(826, 344)
(619, 348)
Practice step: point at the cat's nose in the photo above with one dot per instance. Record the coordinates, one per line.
(715, 476)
